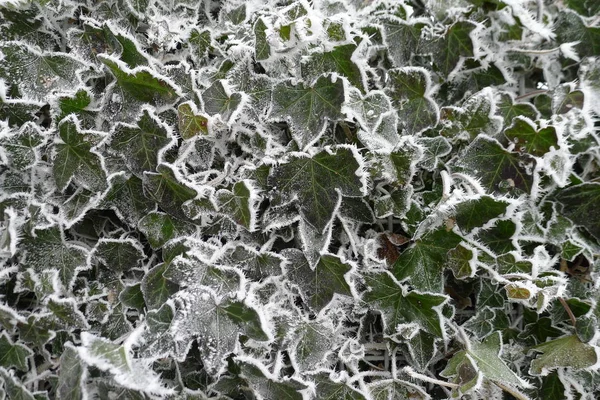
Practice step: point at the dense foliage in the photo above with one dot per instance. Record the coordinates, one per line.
(327, 199)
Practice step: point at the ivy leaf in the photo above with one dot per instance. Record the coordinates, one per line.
(474, 118)
(257, 265)
(218, 99)
(513, 172)
(454, 45)
(422, 349)
(567, 352)
(310, 342)
(339, 60)
(529, 139)
(485, 357)
(434, 149)
(321, 284)
(580, 204)
(570, 27)
(72, 375)
(66, 313)
(423, 262)
(37, 73)
(472, 214)
(216, 322)
(398, 306)
(79, 104)
(238, 204)
(159, 228)
(166, 189)
(403, 38)
(75, 159)
(140, 145)
(126, 198)
(190, 123)
(499, 238)
(48, 250)
(510, 109)
(266, 385)
(13, 386)
(13, 355)
(461, 262)
(307, 108)
(317, 182)
(262, 50)
(329, 389)
(117, 360)
(411, 89)
(119, 254)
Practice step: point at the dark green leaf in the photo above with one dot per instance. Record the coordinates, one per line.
(580, 204)
(307, 108)
(499, 238)
(423, 262)
(190, 123)
(72, 375)
(126, 198)
(166, 189)
(156, 288)
(238, 204)
(339, 61)
(119, 255)
(261, 45)
(399, 306)
(455, 44)
(475, 213)
(530, 139)
(567, 351)
(317, 182)
(13, 355)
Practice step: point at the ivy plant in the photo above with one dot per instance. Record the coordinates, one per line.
(294, 199)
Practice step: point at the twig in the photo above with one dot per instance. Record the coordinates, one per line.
(533, 93)
(568, 310)
(411, 372)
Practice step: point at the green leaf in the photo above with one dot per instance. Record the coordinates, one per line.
(423, 262)
(317, 182)
(22, 148)
(140, 145)
(512, 172)
(257, 265)
(586, 8)
(76, 161)
(72, 375)
(403, 39)
(461, 262)
(422, 349)
(238, 204)
(37, 73)
(399, 306)
(570, 27)
(529, 139)
(190, 123)
(67, 314)
(267, 386)
(339, 60)
(566, 352)
(262, 50)
(474, 118)
(166, 189)
(411, 95)
(156, 287)
(434, 149)
(475, 213)
(310, 342)
(329, 389)
(218, 99)
(580, 204)
(486, 357)
(79, 105)
(510, 109)
(48, 250)
(140, 84)
(119, 254)
(499, 238)
(307, 108)
(454, 45)
(552, 388)
(321, 284)
(159, 228)
(13, 355)
(126, 198)
(14, 388)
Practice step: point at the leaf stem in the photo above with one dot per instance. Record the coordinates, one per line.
(512, 391)
(411, 372)
(568, 310)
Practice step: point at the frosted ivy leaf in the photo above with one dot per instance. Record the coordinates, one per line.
(411, 94)
(454, 45)
(119, 254)
(117, 360)
(126, 197)
(14, 355)
(567, 351)
(159, 228)
(75, 160)
(307, 108)
(433, 149)
(396, 389)
(239, 204)
(515, 173)
(341, 60)
(257, 265)
(403, 38)
(142, 144)
(49, 250)
(21, 149)
(74, 207)
(191, 272)
(476, 116)
(220, 99)
(483, 358)
(36, 73)
(216, 322)
(72, 375)
(314, 242)
(329, 174)
(167, 189)
(399, 306)
(580, 204)
(310, 342)
(320, 285)
(14, 387)
(328, 387)
(268, 386)
(258, 88)
(368, 109)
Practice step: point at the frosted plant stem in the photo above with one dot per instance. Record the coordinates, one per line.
(411, 372)
(568, 310)
(512, 391)
(540, 10)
